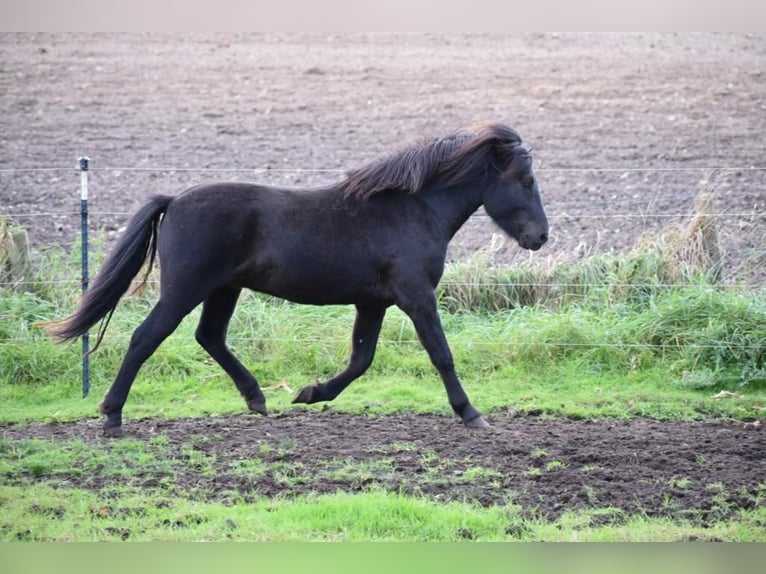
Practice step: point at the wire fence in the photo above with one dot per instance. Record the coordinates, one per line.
(627, 211)
(157, 169)
(306, 340)
(569, 210)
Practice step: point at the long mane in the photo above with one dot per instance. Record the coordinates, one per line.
(450, 160)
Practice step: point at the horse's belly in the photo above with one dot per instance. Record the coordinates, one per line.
(331, 287)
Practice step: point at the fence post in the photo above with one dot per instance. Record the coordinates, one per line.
(84, 247)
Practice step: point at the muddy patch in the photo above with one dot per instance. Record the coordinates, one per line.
(699, 471)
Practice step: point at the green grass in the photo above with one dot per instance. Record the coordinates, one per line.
(56, 459)
(62, 514)
(666, 358)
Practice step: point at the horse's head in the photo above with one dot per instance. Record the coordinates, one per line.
(513, 201)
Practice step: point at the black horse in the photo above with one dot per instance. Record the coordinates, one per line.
(376, 239)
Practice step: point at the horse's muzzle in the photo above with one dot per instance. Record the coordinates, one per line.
(533, 240)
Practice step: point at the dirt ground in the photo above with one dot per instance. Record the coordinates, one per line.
(625, 131)
(700, 471)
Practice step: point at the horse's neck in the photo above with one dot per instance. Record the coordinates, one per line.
(451, 207)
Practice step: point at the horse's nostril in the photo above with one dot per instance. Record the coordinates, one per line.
(544, 238)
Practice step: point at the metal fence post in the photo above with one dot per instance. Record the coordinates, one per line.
(84, 246)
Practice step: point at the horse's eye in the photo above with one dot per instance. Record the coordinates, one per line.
(528, 182)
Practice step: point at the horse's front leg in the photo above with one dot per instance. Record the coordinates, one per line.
(369, 320)
(424, 314)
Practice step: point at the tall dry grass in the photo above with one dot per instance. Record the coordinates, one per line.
(679, 256)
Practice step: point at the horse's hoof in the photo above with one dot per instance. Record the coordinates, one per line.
(305, 395)
(258, 407)
(113, 432)
(477, 423)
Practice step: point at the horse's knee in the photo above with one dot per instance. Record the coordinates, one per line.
(147, 337)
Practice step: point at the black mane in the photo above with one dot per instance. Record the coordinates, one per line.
(449, 160)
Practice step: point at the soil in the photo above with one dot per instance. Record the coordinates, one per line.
(699, 471)
(626, 131)
(654, 112)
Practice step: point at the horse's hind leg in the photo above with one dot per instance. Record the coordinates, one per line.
(364, 340)
(160, 323)
(211, 334)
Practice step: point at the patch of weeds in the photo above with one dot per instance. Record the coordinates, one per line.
(285, 447)
(668, 506)
(475, 473)
(721, 506)
(133, 452)
(518, 530)
(37, 468)
(606, 517)
(250, 467)
(167, 482)
(428, 458)
(201, 439)
(681, 483)
(591, 495)
(39, 458)
(760, 495)
(716, 487)
(129, 458)
(554, 465)
(358, 474)
(403, 446)
(394, 448)
(288, 473)
(539, 453)
(160, 441)
(6, 446)
(434, 469)
(198, 461)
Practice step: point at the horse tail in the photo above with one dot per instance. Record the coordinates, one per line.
(137, 243)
